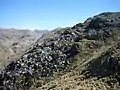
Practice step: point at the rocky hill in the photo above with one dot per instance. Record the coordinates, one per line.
(82, 57)
(13, 42)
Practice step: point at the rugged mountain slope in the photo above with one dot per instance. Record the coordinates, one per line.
(68, 50)
(13, 42)
(100, 73)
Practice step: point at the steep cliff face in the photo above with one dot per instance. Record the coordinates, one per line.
(63, 51)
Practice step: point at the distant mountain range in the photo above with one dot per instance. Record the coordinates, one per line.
(14, 42)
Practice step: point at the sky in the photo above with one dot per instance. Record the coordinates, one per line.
(50, 14)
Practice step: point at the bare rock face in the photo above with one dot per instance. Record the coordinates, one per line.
(103, 20)
(100, 26)
(55, 52)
